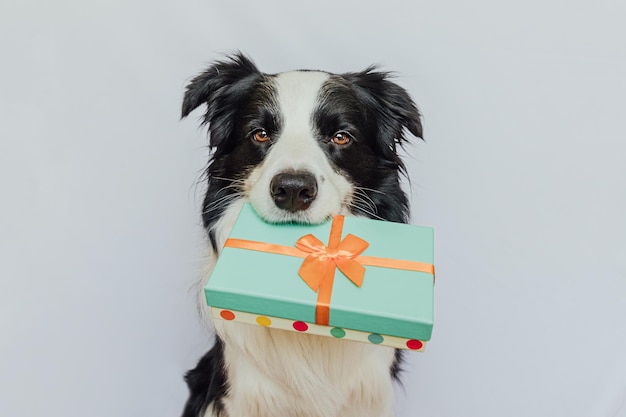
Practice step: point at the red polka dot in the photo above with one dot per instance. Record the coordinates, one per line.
(414, 344)
(300, 326)
(227, 315)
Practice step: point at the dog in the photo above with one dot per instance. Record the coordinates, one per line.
(300, 146)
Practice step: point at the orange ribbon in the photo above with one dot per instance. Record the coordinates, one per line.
(320, 262)
(318, 268)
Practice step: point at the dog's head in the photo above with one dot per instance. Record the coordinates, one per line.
(303, 145)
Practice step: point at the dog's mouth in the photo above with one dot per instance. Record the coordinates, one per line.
(278, 216)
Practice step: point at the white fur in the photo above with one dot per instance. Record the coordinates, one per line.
(276, 373)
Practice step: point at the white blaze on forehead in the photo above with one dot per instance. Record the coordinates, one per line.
(298, 96)
(298, 93)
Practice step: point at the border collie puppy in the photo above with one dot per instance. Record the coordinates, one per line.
(300, 146)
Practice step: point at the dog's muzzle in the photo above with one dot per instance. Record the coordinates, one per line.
(293, 190)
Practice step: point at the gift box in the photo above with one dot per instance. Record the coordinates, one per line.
(350, 278)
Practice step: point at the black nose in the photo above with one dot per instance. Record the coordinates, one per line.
(293, 191)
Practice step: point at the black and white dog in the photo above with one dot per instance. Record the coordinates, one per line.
(299, 146)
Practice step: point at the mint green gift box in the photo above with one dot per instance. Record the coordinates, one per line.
(390, 301)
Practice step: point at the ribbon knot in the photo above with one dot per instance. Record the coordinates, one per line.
(319, 265)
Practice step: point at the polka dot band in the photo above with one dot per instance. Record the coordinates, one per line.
(312, 328)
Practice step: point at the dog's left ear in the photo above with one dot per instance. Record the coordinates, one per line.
(387, 103)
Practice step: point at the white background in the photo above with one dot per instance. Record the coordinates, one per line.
(522, 175)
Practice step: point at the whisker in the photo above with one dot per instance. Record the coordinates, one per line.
(371, 203)
(232, 180)
(225, 197)
(365, 205)
(222, 202)
(369, 189)
(365, 210)
(232, 186)
(365, 199)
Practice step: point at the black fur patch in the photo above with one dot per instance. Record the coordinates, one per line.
(207, 383)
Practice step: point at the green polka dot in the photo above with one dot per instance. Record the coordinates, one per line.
(337, 332)
(375, 338)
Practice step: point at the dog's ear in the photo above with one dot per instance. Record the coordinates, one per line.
(388, 104)
(221, 87)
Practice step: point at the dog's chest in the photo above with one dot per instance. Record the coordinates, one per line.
(275, 371)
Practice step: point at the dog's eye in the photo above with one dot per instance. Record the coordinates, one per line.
(341, 138)
(260, 135)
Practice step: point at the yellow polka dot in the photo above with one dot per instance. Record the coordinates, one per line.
(263, 321)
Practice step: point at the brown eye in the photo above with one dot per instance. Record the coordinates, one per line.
(341, 138)
(261, 136)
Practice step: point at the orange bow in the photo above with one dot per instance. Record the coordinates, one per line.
(320, 264)
(318, 268)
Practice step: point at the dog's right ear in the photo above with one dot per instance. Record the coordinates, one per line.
(221, 87)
